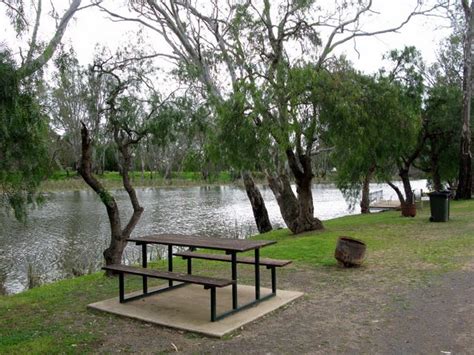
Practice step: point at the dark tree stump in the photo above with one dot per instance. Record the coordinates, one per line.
(350, 252)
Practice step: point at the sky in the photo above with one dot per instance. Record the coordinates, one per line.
(91, 27)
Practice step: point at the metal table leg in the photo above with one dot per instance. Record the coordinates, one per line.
(213, 304)
(235, 303)
(170, 263)
(257, 274)
(121, 288)
(274, 281)
(190, 262)
(144, 264)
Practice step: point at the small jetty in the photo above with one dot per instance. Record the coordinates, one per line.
(385, 205)
(378, 203)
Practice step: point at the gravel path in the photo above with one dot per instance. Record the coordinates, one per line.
(343, 311)
(435, 319)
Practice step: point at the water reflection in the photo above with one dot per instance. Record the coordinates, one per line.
(66, 237)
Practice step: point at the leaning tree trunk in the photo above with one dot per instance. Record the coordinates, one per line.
(113, 254)
(407, 203)
(435, 173)
(286, 199)
(365, 198)
(465, 175)
(258, 204)
(409, 196)
(118, 238)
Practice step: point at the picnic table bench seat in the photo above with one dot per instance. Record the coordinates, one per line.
(240, 259)
(271, 264)
(166, 275)
(210, 283)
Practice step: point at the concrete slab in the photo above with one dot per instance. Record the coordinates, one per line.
(188, 308)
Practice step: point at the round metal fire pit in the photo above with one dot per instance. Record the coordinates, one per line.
(350, 252)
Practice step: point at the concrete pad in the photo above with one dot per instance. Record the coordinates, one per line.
(188, 308)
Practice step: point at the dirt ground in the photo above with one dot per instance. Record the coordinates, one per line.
(344, 311)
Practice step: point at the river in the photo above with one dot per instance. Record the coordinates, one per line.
(65, 237)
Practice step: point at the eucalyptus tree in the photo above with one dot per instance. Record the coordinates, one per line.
(237, 143)
(257, 44)
(185, 120)
(443, 106)
(76, 96)
(37, 52)
(465, 157)
(458, 60)
(439, 156)
(407, 75)
(196, 64)
(129, 113)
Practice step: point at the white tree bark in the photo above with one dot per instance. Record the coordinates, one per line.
(32, 64)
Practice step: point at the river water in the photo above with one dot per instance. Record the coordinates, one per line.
(65, 237)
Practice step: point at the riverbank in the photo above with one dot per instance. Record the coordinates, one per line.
(62, 181)
(344, 310)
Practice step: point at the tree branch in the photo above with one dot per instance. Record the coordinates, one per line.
(33, 65)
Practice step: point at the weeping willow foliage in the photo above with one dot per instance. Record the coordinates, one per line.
(374, 124)
(23, 141)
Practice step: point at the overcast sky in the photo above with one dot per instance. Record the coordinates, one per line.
(90, 27)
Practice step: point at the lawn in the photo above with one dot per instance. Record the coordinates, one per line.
(54, 318)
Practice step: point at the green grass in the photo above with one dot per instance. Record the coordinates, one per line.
(54, 318)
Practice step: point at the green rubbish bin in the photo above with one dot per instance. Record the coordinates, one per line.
(439, 206)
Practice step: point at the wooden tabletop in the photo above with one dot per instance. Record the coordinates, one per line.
(195, 241)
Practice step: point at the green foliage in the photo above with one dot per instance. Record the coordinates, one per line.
(23, 140)
(373, 122)
(443, 107)
(175, 118)
(16, 13)
(193, 161)
(237, 140)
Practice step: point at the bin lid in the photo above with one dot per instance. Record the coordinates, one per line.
(440, 193)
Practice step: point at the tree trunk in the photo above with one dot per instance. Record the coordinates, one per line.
(113, 254)
(409, 196)
(306, 220)
(118, 241)
(286, 199)
(33, 65)
(435, 174)
(397, 191)
(142, 166)
(300, 166)
(297, 211)
(258, 204)
(365, 199)
(167, 175)
(465, 175)
(408, 206)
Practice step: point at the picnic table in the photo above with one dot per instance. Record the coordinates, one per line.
(231, 247)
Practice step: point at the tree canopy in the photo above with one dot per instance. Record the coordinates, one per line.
(23, 139)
